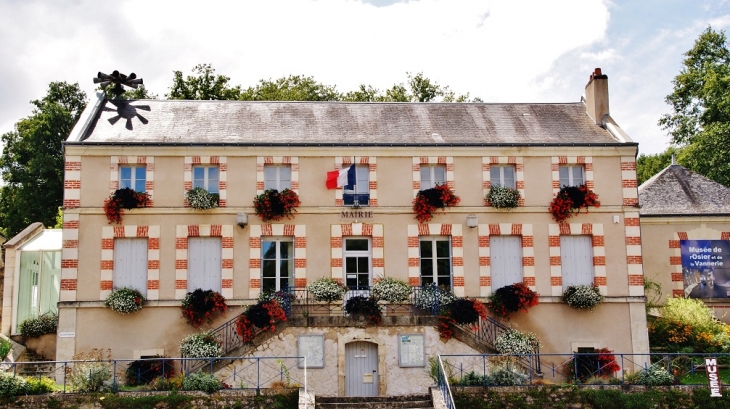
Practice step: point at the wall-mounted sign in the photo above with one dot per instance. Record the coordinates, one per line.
(411, 351)
(356, 214)
(706, 268)
(713, 377)
(311, 347)
(67, 335)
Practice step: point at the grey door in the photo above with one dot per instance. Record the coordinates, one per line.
(361, 369)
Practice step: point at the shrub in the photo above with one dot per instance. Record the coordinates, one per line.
(173, 383)
(39, 385)
(602, 363)
(655, 375)
(512, 298)
(513, 341)
(392, 290)
(364, 306)
(144, 371)
(506, 375)
(692, 312)
(124, 198)
(34, 327)
(503, 197)
(199, 381)
(5, 347)
(92, 374)
(199, 306)
(201, 199)
(582, 297)
(124, 300)
(274, 205)
(433, 298)
(11, 385)
(474, 379)
(326, 289)
(201, 345)
(569, 201)
(427, 201)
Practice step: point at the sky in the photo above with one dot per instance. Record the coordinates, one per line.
(497, 50)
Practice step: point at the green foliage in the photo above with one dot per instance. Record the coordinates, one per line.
(11, 385)
(32, 159)
(653, 292)
(39, 385)
(655, 375)
(700, 108)
(36, 326)
(503, 197)
(649, 165)
(200, 381)
(144, 371)
(291, 88)
(392, 290)
(692, 312)
(140, 93)
(201, 199)
(89, 376)
(513, 341)
(5, 347)
(582, 297)
(202, 85)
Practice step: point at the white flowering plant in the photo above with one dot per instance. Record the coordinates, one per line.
(655, 375)
(201, 199)
(582, 297)
(201, 345)
(503, 197)
(326, 289)
(513, 341)
(392, 290)
(125, 300)
(433, 298)
(34, 327)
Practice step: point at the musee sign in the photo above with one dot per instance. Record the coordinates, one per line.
(713, 377)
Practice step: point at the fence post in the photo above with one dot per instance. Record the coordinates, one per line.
(258, 376)
(484, 370)
(65, 371)
(114, 374)
(575, 367)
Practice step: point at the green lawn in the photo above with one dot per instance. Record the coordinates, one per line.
(700, 378)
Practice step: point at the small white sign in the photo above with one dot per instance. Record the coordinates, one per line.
(67, 335)
(713, 377)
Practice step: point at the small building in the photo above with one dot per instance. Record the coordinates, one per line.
(357, 234)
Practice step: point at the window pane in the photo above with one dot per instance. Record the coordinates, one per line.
(426, 177)
(363, 280)
(268, 248)
(284, 270)
(268, 268)
(362, 264)
(577, 175)
(356, 244)
(509, 176)
(426, 248)
(286, 249)
(284, 177)
(442, 248)
(270, 178)
(426, 267)
(564, 172)
(444, 267)
(494, 175)
(439, 175)
(444, 282)
(268, 285)
(363, 179)
(213, 179)
(126, 172)
(350, 265)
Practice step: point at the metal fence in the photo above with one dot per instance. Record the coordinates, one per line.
(442, 380)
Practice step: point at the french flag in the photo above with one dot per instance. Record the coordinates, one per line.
(339, 178)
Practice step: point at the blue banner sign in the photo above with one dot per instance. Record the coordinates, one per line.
(706, 268)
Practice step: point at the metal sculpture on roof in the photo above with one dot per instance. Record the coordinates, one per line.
(118, 79)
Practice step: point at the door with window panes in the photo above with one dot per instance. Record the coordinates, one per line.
(277, 265)
(357, 262)
(435, 255)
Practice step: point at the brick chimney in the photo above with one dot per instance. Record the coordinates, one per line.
(597, 96)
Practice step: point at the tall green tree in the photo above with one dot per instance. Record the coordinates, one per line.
(291, 88)
(32, 159)
(649, 165)
(700, 105)
(204, 84)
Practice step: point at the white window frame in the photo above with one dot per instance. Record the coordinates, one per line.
(576, 268)
(134, 179)
(213, 268)
(571, 178)
(500, 179)
(130, 270)
(362, 184)
(277, 182)
(434, 257)
(207, 184)
(429, 178)
(357, 254)
(506, 267)
(289, 275)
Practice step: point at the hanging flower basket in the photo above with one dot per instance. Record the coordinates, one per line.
(502, 197)
(199, 306)
(583, 297)
(461, 311)
(511, 298)
(392, 290)
(326, 289)
(121, 199)
(201, 199)
(274, 205)
(263, 315)
(429, 200)
(124, 300)
(368, 307)
(569, 201)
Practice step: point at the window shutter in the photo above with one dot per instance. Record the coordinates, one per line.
(130, 263)
(204, 263)
(576, 257)
(506, 260)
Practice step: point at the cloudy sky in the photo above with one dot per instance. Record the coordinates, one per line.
(500, 51)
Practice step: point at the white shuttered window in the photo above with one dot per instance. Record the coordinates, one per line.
(576, 258)
(130, 263)
(506, 260)
(204, 263)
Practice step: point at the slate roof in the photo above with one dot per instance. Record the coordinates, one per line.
(677, 191)
(182, 122)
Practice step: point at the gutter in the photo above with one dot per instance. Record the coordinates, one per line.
(343, 144)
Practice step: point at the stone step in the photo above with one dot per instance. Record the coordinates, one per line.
(375, 402)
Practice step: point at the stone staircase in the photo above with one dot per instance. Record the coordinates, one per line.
(374, 402)
(31, 364)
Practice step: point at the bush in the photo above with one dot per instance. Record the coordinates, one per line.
(433, 298)
(200, 381)
(37, 326)
(392, 290)
(144, 371)
(92, 374)
(655, 375)
(326, 289)
(506, 375)
(692, 312)
(584, 297)
(174, 383)
(513, 341)
(11, 385)
(125, 300)
(5, 347)
(200, 199)
(39, 386)
(502, 197)
(201, 345)
(473, 379)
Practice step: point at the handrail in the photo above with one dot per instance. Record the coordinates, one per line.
(442, 380)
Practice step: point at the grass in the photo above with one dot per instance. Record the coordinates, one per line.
(700, 378)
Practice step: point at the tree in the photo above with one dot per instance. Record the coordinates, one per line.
(139, 93)
(291, 88)
(202, 85)
(700, 104)
(32, 160)
(649, 165)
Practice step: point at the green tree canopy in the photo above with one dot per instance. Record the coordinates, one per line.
(649, 165)
(700, 105)
(32, 159)
(291, 88)
(202, 85)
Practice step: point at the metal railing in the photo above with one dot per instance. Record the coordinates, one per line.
(442, 380)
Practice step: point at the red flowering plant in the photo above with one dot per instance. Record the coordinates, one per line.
(361, 306)
(461, 311)
(569, 201)
(511, 298)
(199, 306)
(274, 205)
(121, 199)
(427, 201)
(601, 363)
(263, 315)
